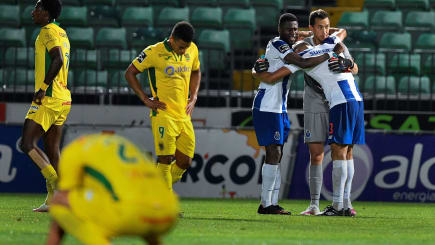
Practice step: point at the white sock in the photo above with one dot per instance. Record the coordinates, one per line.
(348, 187)
(339, 176)
(268, 174)
(275, 192)
(315, 180)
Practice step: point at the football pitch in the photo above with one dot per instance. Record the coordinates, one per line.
(224, 221)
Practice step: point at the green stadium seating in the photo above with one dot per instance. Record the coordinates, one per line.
(295, 4)
(380, 4)
(26, 15)
(380, 85)
(354, 20)
(173, 3)
(74, 16)
(429, 65)
(116, 58)
(414, 85)
(420, 21)
(432, 3)
(412, 4)
(201, 2)
(9, 15)
(137, 16)
(371, 62)
(111, 37)
(71, 2)
(142, 37)
(267, 12)
(298, 82)
(405, 64)
(118, 81)
(20, 57)
(85, 58)
(214, 45)
(81, 37)
(101, 2)
(2, 80)
(235, 3)
(395, 41)
(33, 36)
(91, 79)
(241, 24)
(361, 40)
(9, 1)
(425, 43)
(386, 20)
(137, 3)
(103, 15)
(19, 77)
(169, 16)
(207, 17)
(13, 37)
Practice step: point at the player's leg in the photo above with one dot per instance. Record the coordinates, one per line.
(152, 239)
(347, 204)
(185, 151)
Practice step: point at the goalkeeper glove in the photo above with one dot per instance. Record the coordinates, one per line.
(339, 64)
(261, 65)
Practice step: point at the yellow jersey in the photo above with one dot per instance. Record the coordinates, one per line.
(169, 76)
(110, 169)
(52, 36)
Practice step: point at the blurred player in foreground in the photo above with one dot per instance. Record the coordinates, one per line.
(107, 188)
(52, 100)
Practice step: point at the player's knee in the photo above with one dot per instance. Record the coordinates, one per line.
(316, 158)
(25, 145)
(273, 154)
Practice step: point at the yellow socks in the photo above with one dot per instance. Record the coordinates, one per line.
(50, 176)
(86, 232)
(177, 172)
(165, 169)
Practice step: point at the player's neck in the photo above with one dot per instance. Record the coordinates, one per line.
(316, 41)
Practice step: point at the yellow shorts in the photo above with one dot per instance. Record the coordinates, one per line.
(138, 217)
(170, 135)
(51, 111)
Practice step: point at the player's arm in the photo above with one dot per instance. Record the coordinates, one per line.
(54, 68)
(195, 79)
(295, 59)
(338, 32)
(272, 77)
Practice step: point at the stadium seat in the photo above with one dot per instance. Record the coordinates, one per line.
(235, 3)
(169, 16)
(101, 2)
(354, 20)
(241, 24)
(26, 15)
(380, 4)
(361, 41)
(85, 58)
(405, 64)
(201, 2)
(386, 20)
(9, 2)
(19, 77)
(137, 16)
(395, 42)
(267, 12)
(103, 15)
(33, 36)
(214, 45)
(24, 57)
(115, 58)
(425, 43)
(298, 82)
(429, 65)
(137, 3)
(118, 81)
(13, 37)
(380, 85)
(9, 15)
(74, 16)
(207, 17)
(295, 4)
(158, 5)
(91, 79)
(71, 2)
(371, 62)
(414, 85)
(412, 4)
(81, 37)
(432, 4)
(111, 37)
(142, 37)
(420, 21)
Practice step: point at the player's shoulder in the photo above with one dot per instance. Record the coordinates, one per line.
(279, 45)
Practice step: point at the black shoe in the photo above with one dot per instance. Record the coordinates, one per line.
(272, 209)
(260, 209)
(350, 212)
(331, 211)
(282, 210)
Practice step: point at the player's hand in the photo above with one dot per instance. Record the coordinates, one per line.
(39, 96)
(190, 106)
(155, 105)
(339, 64)
(339, 48)
(261, 65)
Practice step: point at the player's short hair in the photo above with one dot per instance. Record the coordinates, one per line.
(183, 30)
(320, 13)
(54, 7)
(287, 17)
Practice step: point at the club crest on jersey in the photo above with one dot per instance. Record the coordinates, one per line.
(283, 48)
(308, 134)
(141, 57)
(277, 136)
(33, 107)
(187, 57)
(169, 70)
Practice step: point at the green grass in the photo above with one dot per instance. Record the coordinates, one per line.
(218, 221)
